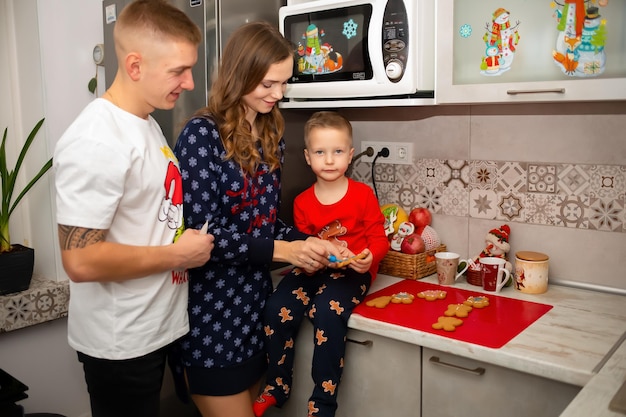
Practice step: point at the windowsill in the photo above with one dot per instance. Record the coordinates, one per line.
(44, 301)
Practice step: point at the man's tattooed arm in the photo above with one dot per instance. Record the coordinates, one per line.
(71, 237)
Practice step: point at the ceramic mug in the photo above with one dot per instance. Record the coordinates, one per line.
(447, 265)
(494, 274)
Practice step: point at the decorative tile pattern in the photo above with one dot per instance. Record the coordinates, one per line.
(541, 209)
(454, 201)
(511, 177)
(483, 174)
(406, 174)
(541, 178)
(574, 179)
(385, 173)
(564, 195)
(572, 212)
(432, 173)
(429, 197)
(457, 173)
(606, 214)
(407, 197)
(483, 204)
(510, 207)
(607, 181)
(45, 300)
(362, 171)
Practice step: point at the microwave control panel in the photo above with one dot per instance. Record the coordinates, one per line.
(395, 40)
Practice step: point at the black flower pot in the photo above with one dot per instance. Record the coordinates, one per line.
(16, 269)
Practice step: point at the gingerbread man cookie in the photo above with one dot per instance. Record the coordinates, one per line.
(458, 310)
(347, 261)
(432, 295)
(402, 298)
(479, 301)
(449, 324)
(379, 302)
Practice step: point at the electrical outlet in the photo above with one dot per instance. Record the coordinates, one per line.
(377, 146)
(399, 152)
(404, 153)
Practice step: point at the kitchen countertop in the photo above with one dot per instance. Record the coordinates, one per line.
(579, 342)
(593, 399)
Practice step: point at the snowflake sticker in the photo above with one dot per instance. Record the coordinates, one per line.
(349, 28)
(465, 31)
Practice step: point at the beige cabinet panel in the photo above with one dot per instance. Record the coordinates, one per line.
(454, 386)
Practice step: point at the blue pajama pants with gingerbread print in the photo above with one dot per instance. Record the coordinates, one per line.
(327, 298)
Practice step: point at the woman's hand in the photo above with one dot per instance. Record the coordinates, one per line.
(310, 254)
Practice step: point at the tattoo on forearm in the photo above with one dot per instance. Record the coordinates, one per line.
(71, 237)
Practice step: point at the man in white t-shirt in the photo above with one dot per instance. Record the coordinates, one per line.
(119, 215)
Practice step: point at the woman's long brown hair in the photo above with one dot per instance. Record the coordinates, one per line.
(246, 59)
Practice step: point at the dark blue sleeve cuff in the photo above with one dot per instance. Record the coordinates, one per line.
(260, 251)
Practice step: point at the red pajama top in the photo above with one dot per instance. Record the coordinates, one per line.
(355, 220)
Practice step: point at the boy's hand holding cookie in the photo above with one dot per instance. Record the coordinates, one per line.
(361, 263)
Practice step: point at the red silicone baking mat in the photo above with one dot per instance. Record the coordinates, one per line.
(492, 326)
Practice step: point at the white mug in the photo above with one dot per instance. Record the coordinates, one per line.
(447, 265)
(494, 274)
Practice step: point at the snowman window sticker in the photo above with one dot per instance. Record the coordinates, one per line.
(501, 39)
(314, 56)
(579, 50)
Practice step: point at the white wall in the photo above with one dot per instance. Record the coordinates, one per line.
(40, 357)
(69, 29)
(45, 65)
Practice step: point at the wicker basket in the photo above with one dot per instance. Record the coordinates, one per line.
(402, 265)
(474, 276)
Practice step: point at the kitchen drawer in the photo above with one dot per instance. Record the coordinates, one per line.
(453, 386)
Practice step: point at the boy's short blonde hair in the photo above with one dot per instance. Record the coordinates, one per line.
(326, 119)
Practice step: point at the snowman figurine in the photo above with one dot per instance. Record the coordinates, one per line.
(497, 245)
(405, 229)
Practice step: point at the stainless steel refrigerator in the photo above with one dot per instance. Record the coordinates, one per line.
(217, 19)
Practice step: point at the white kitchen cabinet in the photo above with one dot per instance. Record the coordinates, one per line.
(507, 51)
(381, 377)
(455, 386)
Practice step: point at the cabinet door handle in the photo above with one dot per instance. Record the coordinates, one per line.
(362, 343)
(547, 90)
(476, 371)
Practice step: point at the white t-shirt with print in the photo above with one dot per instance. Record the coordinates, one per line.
(115, 171)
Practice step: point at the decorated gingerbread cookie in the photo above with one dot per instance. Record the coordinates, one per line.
(402, 298)
(458, 310)
(432, 295)
(479, 301)
(345, 262)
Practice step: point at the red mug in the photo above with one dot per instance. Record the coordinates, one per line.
(494, 274)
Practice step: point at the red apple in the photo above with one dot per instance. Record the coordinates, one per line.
(420, 217)
(412, 244)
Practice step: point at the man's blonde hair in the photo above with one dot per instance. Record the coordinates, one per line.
(155, 20)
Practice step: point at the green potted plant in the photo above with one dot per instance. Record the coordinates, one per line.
(16, 261)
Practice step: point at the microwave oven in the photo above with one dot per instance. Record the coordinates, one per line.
(351, 49)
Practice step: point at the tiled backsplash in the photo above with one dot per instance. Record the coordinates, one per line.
(554, 172)
(566, 195)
